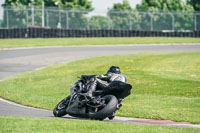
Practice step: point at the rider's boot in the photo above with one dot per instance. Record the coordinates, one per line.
(119, 105)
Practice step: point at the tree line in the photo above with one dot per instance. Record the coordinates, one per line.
(149, 15)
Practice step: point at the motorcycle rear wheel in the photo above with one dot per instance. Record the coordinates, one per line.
(110, 107)
(60, 109)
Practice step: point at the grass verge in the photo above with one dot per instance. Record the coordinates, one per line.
(15, 43)
(47, 125)
(165, 86)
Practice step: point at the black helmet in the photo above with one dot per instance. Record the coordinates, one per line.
(114, 69)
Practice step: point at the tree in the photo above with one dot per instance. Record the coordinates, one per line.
(99, 23)
(195, 4)
(164, 5)
(124, 17)
(79, 4)
(18, 13)
(124, 6)
(163, 16)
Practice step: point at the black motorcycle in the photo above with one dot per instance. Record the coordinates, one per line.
(101, 105)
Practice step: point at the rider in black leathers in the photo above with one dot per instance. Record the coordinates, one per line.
(113, 74)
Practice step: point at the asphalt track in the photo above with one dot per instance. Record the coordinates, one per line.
(20, 60)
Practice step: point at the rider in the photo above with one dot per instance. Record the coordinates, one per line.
(113, 74)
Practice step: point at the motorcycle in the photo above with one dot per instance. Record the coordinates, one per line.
(104, 103)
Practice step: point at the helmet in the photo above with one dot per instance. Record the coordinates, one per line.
(114, 69)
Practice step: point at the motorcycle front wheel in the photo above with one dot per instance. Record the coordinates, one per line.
(60, 109)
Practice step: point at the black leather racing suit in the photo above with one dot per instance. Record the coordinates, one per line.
(100, 84)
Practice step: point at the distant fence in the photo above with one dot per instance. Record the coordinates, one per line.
(76, 19)
(54, 33)
(31, 22)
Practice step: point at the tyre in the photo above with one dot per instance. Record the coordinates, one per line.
(109, 107)
(60, 109)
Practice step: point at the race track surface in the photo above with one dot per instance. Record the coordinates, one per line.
(15, 61)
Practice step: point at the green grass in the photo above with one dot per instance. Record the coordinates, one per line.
(165, 86)
(15, 43)
(49, 125)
